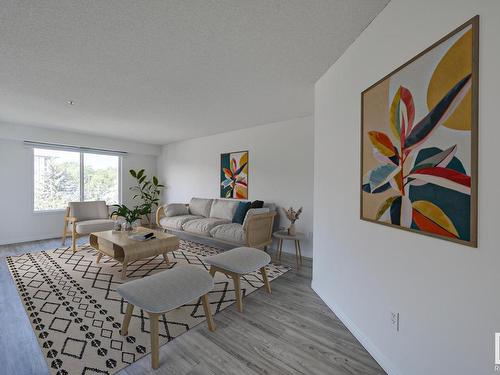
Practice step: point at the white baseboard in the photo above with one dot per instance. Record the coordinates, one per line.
(28, 238)
(382, 360)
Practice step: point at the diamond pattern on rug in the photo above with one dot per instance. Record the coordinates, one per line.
(76, 313)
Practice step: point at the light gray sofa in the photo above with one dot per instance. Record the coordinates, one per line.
(212, 218)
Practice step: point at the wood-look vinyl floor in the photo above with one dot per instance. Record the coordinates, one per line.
(290, 331)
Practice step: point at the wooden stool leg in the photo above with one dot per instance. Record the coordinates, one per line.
(266, 280)
(212, 271)
(99, 256)
(280, 249)
(126, 319)
(208, 312)
(155, 349)
(237, 292)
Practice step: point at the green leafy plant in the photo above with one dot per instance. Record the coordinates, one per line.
(147, 190)
(130, 215)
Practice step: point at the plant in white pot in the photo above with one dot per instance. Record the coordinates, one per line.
(293, 216)
(131, 216)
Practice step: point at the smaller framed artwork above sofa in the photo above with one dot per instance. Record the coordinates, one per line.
(234, 175)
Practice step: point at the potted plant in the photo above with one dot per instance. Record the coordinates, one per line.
(131, 216)
(148, 190)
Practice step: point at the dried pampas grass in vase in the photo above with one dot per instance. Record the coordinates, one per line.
(293, 216)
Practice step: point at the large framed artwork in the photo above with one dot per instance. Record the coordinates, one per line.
(234, 175)
(419, 139)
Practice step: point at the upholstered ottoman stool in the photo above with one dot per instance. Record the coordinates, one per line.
(237, 262)
(165, 291)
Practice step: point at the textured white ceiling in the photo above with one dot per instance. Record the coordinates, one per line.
(161, 71)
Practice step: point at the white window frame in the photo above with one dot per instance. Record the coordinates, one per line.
(82, 151)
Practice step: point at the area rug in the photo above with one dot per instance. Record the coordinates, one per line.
(76, 313)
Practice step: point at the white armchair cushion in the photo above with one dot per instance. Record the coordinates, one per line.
(176, 209)
(229, 232)
(88, 210)
(223, 209)
(200, 207)
(96, 225)
(254, 211)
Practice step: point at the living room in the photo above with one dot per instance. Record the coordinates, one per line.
(235, 187)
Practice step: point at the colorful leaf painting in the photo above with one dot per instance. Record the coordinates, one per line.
(416, 157)
(234, 175)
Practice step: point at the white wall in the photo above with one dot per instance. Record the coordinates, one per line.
(280, 168)
(18, 221)
(447, 294)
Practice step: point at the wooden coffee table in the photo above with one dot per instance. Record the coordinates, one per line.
(120, 247)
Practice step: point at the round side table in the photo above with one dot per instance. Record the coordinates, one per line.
(283, 235)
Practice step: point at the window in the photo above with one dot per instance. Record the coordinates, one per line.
(62, 176)
(100, 176)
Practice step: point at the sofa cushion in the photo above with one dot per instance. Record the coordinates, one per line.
(229, 232)
(200, 206)
(223, 209)
(241, 212)
(97, 225)
(203, 226)
(175, 209)
(176, 222)
(88, 210)
(254, 211)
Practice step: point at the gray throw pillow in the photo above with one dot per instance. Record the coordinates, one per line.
(200, 206)
(176, 209)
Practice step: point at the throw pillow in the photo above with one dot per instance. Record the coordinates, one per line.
(241, 212)
(176, 209)
(257, 204)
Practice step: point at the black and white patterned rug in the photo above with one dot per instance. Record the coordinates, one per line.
(76, 313)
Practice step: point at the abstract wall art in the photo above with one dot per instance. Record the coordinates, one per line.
(234, 175)
(419, 139)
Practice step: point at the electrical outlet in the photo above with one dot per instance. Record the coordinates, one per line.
(395, 320)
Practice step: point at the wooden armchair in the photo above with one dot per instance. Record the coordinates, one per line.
(83, 218)
(259, 230)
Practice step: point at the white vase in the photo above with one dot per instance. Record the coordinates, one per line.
(291, 229)
(126, 227)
